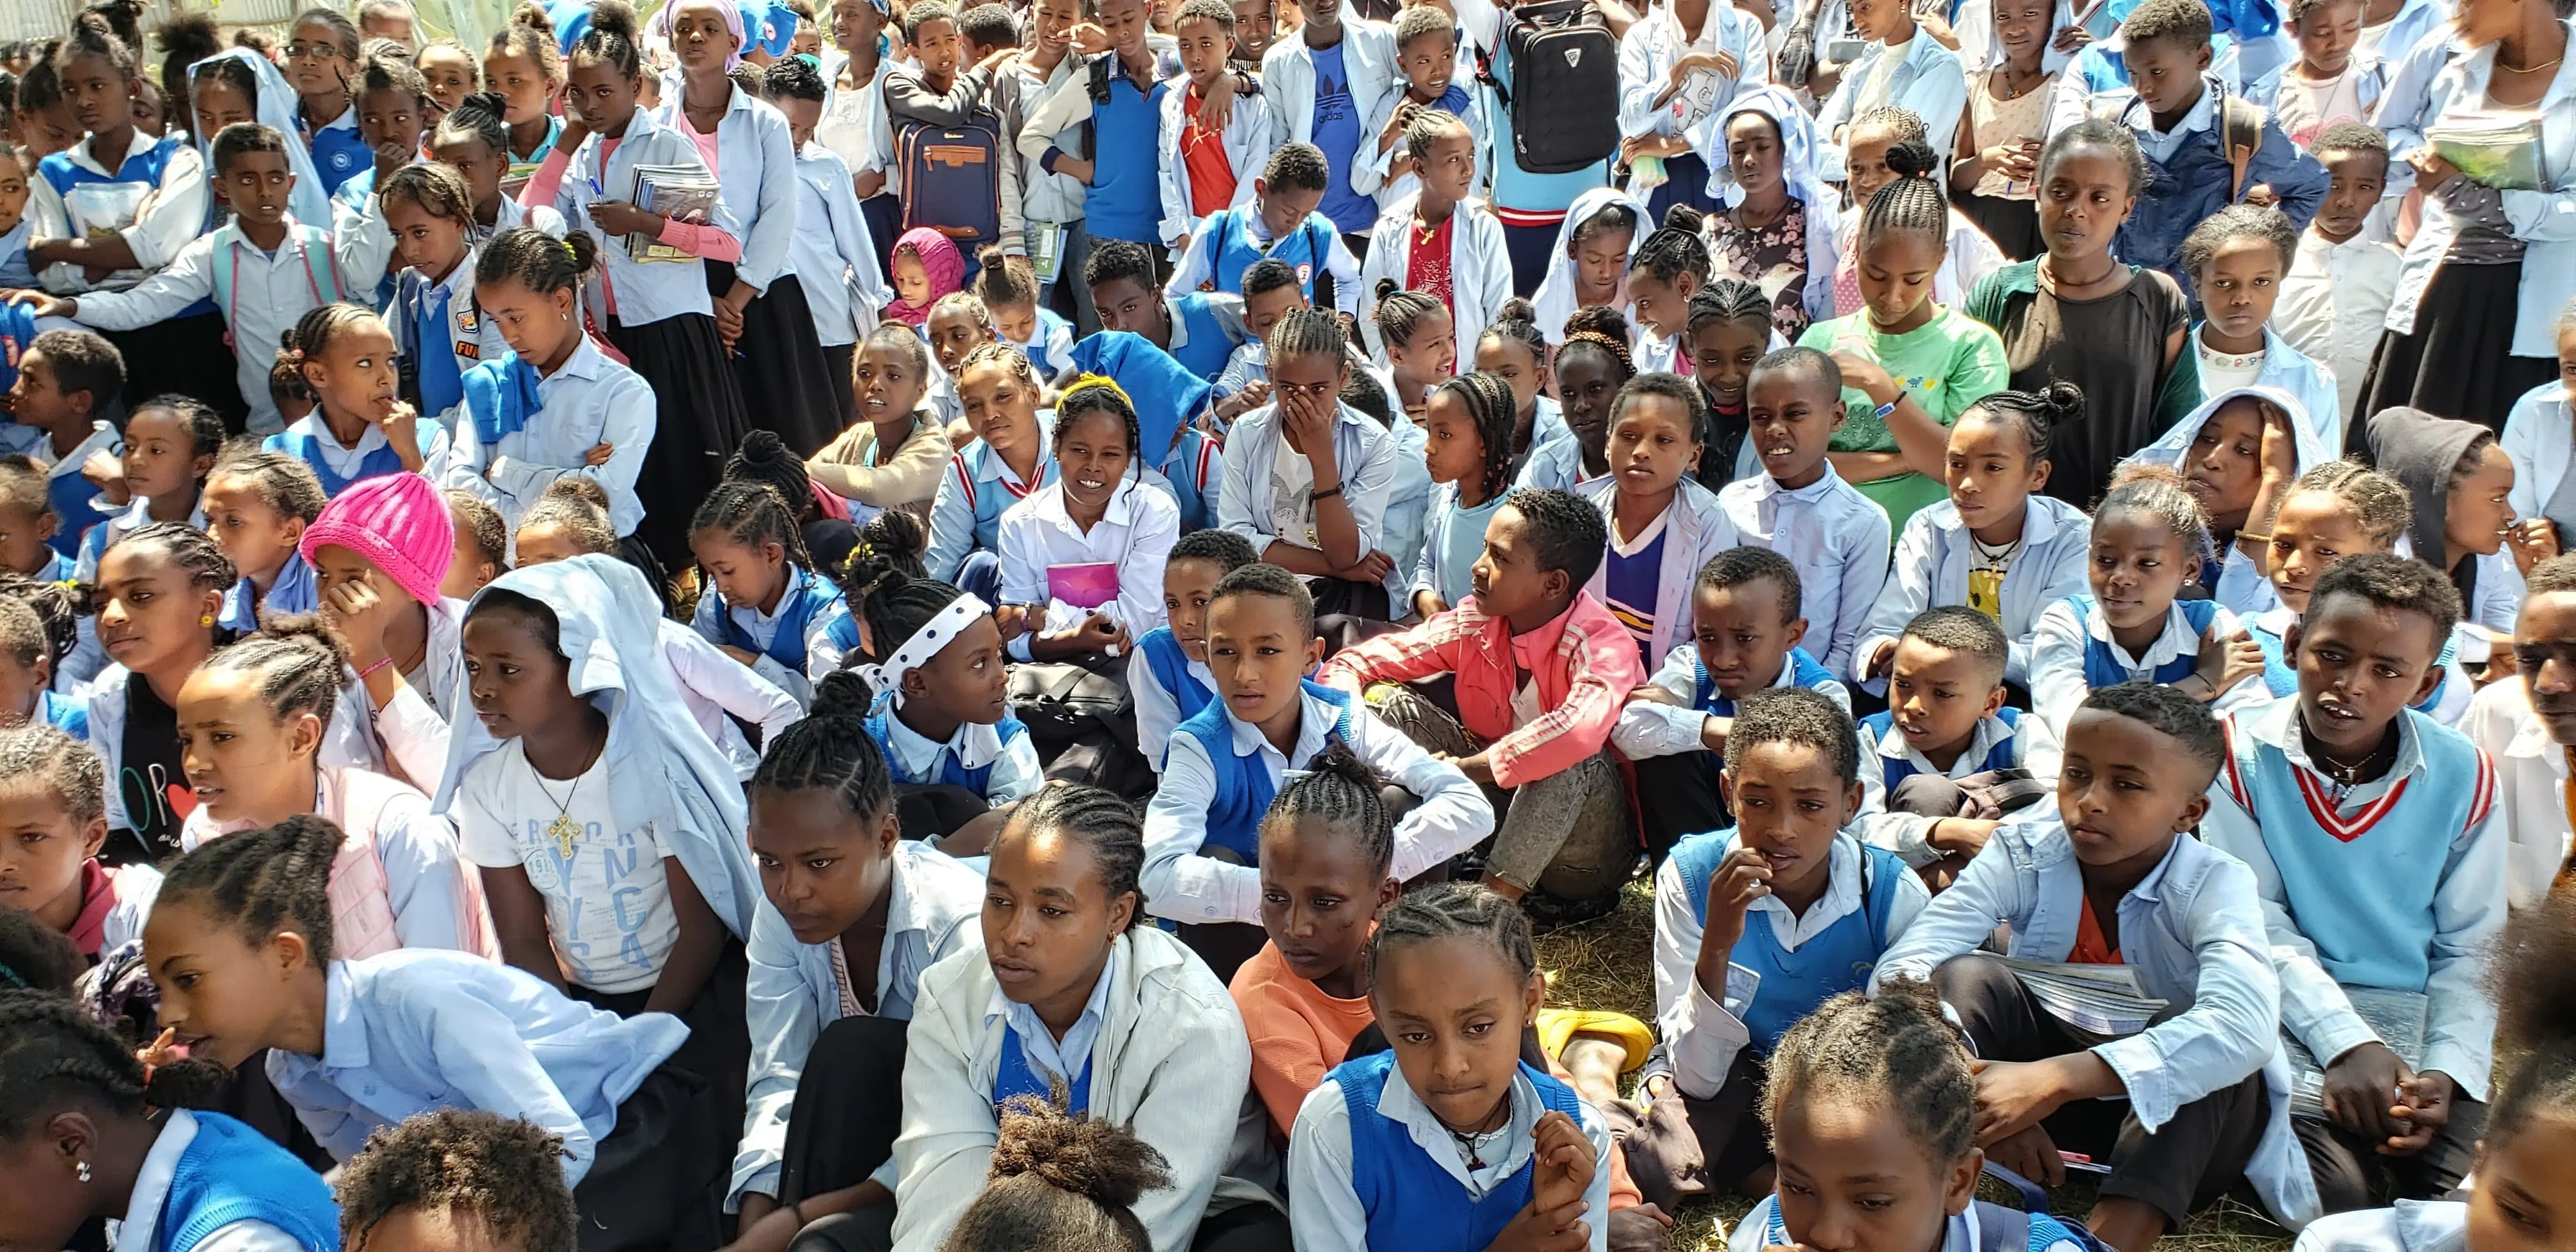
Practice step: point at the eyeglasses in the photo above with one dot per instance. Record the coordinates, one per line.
(317, 51)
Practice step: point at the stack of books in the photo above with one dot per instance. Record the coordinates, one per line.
(2096, 999)
(2401, 1019)
(682, 192)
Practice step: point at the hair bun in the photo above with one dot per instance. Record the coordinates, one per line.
(1387, 287)
(534, 16)
(1684, 218)
(761, 447)
(1913, 158)
(1600, 319)
(2063, 404)
(841, 694)
(1095, 1159)
(1516, 309)
(610, 17)
(491, 102)
(578, 487)
(311, 630)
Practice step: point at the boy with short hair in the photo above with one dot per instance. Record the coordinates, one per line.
(1426, 60)
(2344, 274)
(1745, 629)
(938, 87)
(1120, 93)
(2179, 1109)
(1440, 240)
(1320, 82)
(66, 380)
(1541, 670)
(2183, 117)
(1270, 290)
(1754, 927)
(2372, 833)
(1207, 170)
(1168, 671)
(1799, 507)
(988, 30)
(1200, 329)
(2528, 728)
(1281, 223)
(1224, 764)
(1946, 722)
(453, 1179)
(1256, 25)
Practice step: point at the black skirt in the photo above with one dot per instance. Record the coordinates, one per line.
(2013, 225)
(786, 384)
(658, 1181)
(838, 362)
(192, 356)
(2459, 361)
(699, 421)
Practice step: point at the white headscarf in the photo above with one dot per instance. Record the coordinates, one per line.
(1556, 299)
(977, 744)
(1798, 153)
(309, 201)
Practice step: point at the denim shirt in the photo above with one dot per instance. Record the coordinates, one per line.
(422, 1029)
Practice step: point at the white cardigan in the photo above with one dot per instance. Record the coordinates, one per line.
(1172, 1064)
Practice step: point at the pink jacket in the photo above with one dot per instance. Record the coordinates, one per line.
(1584, 663)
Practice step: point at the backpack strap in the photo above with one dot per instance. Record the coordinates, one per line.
(2241, 137)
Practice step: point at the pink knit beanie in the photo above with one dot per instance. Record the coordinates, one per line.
(398, 522)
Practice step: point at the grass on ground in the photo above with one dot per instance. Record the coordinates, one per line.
(1609, 964)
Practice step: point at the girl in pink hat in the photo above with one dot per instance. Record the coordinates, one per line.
(379, 551)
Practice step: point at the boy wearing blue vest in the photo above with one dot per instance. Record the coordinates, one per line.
(1945, 722)
(1754, 928)
(68, 379)
(2372, 833)
(1281, 223)
(2182, 1103)
(1225, 764)
(1745, 628)
(1168, 672)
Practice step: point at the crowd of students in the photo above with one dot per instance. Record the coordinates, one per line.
(909, 628)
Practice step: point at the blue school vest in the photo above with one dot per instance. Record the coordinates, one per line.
(2102, 670)
(1017, 1077)
(2000, 756)
(1794, 983)
(806, 596)
(292, 592)
(1209, 347)
(306, 448)
(1411, 1202)
(143, 167)
(230, 1173)
(68, 716)
(1803, 672)
(2362, 887)
(2283, 679)
(1171, 668)
(1232, 249)
(1243, 788)
(1126, 196)
(951, 773)
(70, 495)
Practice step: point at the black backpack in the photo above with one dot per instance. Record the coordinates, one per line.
(1564, 88)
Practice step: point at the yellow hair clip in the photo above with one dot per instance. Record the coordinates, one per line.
(1089, 381)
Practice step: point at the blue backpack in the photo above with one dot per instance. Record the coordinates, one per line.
(952, 178)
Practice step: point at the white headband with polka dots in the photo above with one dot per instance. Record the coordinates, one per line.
(977, 744)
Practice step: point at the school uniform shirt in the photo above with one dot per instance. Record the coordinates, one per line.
(1696, 527)
(1159, 710)
(2278, 368)
(1939, 562)
(1480, 268)
(340, 153)
(917, 758)
(977, 488)
(1246, 142)
(2531, 781)
(1968, 258)
(1408, 508)
(442, 333)
(1288, 80)
(2415, 928)
(853, 123)
(756, 164)
(2024, 742)
(1920, 75)
(13, 255)
(2333, 302)
(1050, 343)
(408, 738)
(134, 516)
(509, 214)
(1168, 1059)
(1370, 167)
(268, 292)
(1835, 536)
(360, 239)
(339, 465)
(2191, 931)
(411, 862)
(2407, 1226)
(2430, 88)
(589, 400)
(830, 252)
(154, 198)
(794, 990)
(719, 690)
(2239, 587)
(724, 623)
(115, 902)
(1453, 538)
(1267, 493)
(1324, 1207)
(413, 1031)
(1187, 887)
(1648, 728)
(2067, 628)
(74, 499)
(1701, 1032)
(640, 292)
(141, 1228)
(607, 894)
(1225, 244)
(1135, 533)
(2540, 438)
(1646, 56)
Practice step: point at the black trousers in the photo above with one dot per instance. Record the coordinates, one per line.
(1677, 796)
(849, 1104)
(719, 1046)
(935, 810)
(2179, 1168)
(2351, 1174)
(659, 1179)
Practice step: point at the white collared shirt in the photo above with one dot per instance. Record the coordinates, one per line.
(642, 291)
(1158, 712)
(1836, 537)
(1935, 554)
(1364, 453)
(589, 400)
(172, 213)
(1651, 728)
(2034, 748)
(1184, 886)
(2531, 779)
(139, 1230)
(1016, 771)
(1703, 1033)
(831, 255)
(756, 164)
(2057, 644)
(1135, 532)
(2333, 301)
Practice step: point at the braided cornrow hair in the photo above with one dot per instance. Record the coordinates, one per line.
(188, 548)
(1340, 790)
(1604, 329)
(263, 881)
(1896, 122)
(53, 1057)
(832, 750)
(1893, 1051)
(2157, 491)
(1728, 299)
(1101, 821)
(989, 351)
(295, 658)
(751, 513)
(57, 606)
(1314, 332)
(1399, 314)
(1084, 397)
(312, 334)
(891, 601)
(1676, 249)
(580, 518)
(1489, 400)
(763, 457)
(1517, 322)
(66, 766)
(1910, 202)
(1454, 909)
(2037, 413)
(2378, 504)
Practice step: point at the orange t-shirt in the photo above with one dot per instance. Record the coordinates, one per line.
(1203, 154)
(1298, 1033)
(2090, 947)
